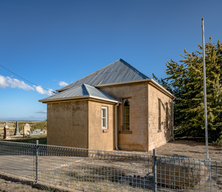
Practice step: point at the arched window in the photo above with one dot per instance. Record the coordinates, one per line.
(126, 115)
(159, 115)
(167, 117)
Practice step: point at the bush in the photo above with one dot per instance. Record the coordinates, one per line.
(219, 140)
(40, 125)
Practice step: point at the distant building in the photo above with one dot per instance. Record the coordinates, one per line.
(114, 107)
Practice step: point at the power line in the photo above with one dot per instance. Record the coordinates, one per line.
(24, 78)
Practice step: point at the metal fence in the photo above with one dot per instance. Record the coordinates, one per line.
(78, 169)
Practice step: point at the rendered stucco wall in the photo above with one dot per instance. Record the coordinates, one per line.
(97, 138)
(68, 124)
(137, 140)
(156, 137)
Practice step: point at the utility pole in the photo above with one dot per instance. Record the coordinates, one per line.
(205, 90)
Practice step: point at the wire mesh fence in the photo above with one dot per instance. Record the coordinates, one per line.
(18, 159)
(93, 170)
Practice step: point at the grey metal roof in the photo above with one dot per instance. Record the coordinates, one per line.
(81, 91)
(116, 72)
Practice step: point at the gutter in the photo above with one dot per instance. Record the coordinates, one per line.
(78, 97)
(116, 131)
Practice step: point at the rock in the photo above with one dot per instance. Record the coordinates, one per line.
(26, 130)
(6, 132)
(179, 172)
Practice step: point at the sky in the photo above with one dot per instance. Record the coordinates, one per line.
(55, 42)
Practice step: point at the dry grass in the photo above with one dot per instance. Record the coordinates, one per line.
(93, 174)
(11, 124)
(191, 149)
(100, 175)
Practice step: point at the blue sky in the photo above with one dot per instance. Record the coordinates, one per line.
(49, 42)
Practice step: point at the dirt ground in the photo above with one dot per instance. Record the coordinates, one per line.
(13, 186)
(191, 149)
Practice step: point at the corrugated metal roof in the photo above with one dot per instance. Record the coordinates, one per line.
(116, 72)
(81, 91)
(98, 93)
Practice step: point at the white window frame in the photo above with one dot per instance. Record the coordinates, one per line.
(106, 126)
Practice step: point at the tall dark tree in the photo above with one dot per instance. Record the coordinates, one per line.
(185, 81)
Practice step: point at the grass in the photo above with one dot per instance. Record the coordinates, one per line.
(42, 139)
(33, 125)
(99, 175)
(94, 174)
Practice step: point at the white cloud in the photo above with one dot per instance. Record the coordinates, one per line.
(13, 83)
(3, 82)
(41, 112)
(62, 83)
(43, 91)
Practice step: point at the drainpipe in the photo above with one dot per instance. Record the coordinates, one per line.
(116, 131)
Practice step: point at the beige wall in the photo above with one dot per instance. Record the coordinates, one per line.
(156, 137)
(78, 123)
(97, 138)
(68, 124)
(137, 94)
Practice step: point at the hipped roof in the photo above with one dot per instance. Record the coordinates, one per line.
(83, 91)
(116, 72)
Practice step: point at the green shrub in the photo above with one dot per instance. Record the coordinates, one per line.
(219, 140)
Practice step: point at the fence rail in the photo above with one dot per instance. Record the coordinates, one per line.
(94, 170)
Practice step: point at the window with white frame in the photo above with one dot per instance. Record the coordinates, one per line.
(104, 118)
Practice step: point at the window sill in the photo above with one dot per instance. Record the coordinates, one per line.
(159, 130)
(105, 130)
(125, 132)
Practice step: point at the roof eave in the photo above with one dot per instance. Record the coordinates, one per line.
(109, 100)
(158, 86)
(62, 99)
(150, 81)
(75, 98)
(121, 83)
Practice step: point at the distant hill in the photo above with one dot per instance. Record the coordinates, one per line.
(21, 120)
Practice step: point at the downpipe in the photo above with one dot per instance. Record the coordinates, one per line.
(116, 132)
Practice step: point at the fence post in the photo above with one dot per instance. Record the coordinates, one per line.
(208, 165)
(154, 171)
(37, 160)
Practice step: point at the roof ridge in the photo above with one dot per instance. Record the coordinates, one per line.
(133, 68)
(84, 89)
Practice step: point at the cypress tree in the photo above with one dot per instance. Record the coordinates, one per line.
(185, 81)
